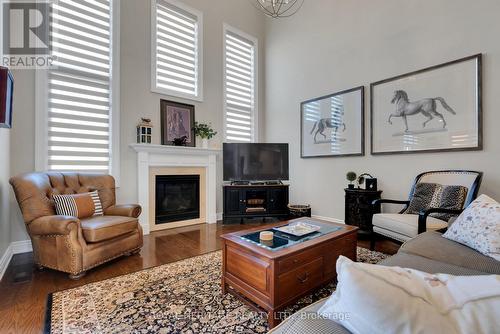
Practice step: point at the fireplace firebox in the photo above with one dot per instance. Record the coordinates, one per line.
(177, 198)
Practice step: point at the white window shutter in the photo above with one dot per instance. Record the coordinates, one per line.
(79, 87)
(239, 86)
(176, 50)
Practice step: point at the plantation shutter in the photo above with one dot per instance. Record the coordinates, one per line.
(79, 87)
(239, 87)
(176, 51)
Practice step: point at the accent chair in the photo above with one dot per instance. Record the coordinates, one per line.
(67, 243)
(402, 226)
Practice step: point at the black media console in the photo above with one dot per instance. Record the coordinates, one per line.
(254, 201)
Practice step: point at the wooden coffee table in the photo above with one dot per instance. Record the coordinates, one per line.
(269, 280)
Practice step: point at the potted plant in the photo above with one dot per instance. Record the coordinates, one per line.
(205, 132)
(351, 177)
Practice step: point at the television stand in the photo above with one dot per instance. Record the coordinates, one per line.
(255, 201)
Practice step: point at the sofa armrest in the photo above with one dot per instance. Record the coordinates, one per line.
(53, 225)
(422, 216)
(127, 210)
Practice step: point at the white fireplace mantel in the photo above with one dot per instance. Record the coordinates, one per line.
(149, 155)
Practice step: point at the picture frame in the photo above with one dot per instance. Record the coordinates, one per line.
(435, 109)
(333, 125)
(6, 97)
(177, 121)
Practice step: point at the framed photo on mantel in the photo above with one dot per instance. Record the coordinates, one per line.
(436, 109)
(333, 125)
(177, 123)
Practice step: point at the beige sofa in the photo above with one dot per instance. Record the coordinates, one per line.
(428, 252)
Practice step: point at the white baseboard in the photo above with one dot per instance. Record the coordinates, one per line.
(330, 219)
(16, 247)
(5, 260)
(23, 246)
(219, 216)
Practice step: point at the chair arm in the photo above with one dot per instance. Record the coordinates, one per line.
(127, 210)
(376, 204)
(53, 225)
(422, 216)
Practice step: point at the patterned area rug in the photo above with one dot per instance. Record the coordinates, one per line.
(180, 297)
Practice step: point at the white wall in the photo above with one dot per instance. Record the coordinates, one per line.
(4, 190)
(332, 45)
(4, 177)
(136, 98)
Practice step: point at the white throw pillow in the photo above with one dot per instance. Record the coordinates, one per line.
(379, 299)
(478, 227)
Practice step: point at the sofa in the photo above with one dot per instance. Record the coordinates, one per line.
(67, 243)
(428, 252)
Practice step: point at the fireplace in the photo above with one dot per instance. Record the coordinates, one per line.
(177, 198)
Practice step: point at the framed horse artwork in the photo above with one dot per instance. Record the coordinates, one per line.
(333, 125)
(436, 109)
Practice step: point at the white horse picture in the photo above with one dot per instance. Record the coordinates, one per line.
(426, 107)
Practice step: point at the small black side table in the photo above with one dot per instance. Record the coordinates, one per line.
(358, 208)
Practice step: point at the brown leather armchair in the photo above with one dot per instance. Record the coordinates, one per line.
(67, 243)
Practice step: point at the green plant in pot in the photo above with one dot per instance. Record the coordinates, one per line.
(205, 132)
(351, 177)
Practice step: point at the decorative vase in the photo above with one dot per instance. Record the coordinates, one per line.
(351, 186)
(204, 142)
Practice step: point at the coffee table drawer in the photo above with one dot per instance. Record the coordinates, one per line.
(250, 269)
(297, 260)
(299, 280)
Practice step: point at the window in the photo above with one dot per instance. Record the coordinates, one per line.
(79, 105)
(176, 64)
(240, 88)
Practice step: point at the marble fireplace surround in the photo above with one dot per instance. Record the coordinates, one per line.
(153, 158)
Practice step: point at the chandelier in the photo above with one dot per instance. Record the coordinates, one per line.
(279, 8)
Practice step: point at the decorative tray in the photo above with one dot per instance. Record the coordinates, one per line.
(298, 229)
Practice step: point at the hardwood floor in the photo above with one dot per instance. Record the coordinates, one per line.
(24, 290)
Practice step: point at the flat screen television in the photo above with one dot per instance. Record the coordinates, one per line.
(255, 162)
(6, 94)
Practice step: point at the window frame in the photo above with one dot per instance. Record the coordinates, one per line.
(42, 110)
(255, 117)
(199, 68)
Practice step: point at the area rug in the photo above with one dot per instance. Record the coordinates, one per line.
(180, 297)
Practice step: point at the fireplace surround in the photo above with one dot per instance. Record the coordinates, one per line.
(155, 160)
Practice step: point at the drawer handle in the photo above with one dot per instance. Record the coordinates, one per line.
(303, 279)
(295, 261)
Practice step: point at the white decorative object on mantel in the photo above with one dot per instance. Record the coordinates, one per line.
(174, 156)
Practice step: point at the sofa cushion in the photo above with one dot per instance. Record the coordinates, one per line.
(406, 260)
(372, 297)
(100, 228)
(405, 224)
(311, 323)
(432, 245)
(307, 320)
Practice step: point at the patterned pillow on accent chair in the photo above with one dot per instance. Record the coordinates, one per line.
(433, 195)
(82, 205)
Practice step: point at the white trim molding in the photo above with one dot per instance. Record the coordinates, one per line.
(199, 51)
(329, 219)
(16, 247)
(149, 155)
(5, 260)
(255, 113)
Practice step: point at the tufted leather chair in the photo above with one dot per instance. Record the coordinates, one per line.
(67, 243)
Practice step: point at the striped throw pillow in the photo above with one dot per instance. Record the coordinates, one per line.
(78, 205)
